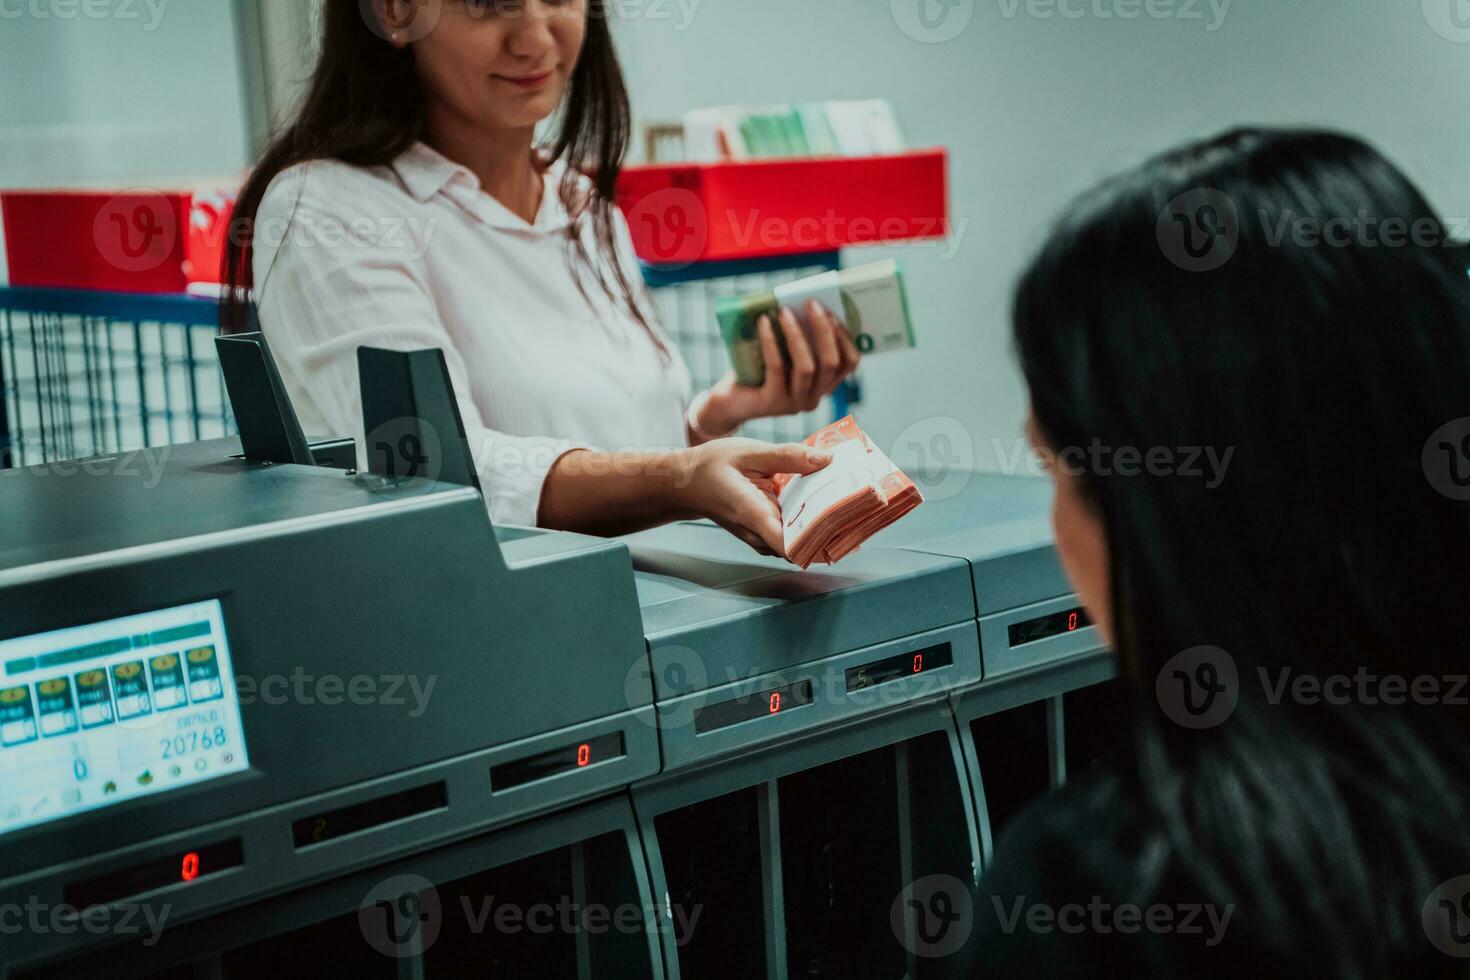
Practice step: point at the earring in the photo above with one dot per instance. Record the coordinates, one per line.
(396, 38)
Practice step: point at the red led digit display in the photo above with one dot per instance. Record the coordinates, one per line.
(175, 870)
(190, 868)
(519, 772)
(757, 704)
(899, 667)
(1046, 627)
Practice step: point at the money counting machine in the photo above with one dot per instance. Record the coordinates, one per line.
(264, 716)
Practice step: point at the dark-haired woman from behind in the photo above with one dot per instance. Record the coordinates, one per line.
(1292, 791)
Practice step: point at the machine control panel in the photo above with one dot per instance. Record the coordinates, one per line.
(98, 714)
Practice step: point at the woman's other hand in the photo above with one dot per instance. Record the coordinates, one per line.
(730, 481)
(815, 367)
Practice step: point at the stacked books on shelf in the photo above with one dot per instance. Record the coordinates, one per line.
(858, 128)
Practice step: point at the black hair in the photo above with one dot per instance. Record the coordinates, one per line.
(1288, 296)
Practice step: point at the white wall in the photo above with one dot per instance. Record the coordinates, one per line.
(118, 91)
(291, 31)
(1034, 109)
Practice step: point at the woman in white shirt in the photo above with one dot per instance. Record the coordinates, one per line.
(409, 206)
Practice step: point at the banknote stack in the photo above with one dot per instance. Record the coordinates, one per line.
(870, 300)
(828, 514)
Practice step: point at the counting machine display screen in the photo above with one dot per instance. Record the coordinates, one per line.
(92, 716)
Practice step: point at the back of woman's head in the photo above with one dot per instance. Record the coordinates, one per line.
(1275, 324)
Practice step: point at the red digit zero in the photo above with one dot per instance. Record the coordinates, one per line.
(190, 869)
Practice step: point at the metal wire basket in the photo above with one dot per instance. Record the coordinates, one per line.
(88, 374)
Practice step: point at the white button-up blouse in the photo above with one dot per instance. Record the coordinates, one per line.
(415, 255)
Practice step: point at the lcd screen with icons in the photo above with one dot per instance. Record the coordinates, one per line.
(98, 714)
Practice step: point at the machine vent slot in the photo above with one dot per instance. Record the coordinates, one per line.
(369, 815)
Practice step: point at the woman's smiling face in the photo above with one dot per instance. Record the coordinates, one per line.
(495, 64)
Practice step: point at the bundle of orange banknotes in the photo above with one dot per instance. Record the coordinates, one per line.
(828, 514)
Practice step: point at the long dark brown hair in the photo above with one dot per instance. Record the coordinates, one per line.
(364, 105)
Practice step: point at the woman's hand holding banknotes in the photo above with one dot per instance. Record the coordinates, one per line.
(821, 356)
(728, 481)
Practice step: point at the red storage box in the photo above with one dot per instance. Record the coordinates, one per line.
(129, 242)
(685, 213)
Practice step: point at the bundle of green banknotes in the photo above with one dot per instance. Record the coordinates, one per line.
(870, 300)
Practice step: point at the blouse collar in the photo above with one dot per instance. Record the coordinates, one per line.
(425, 172)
